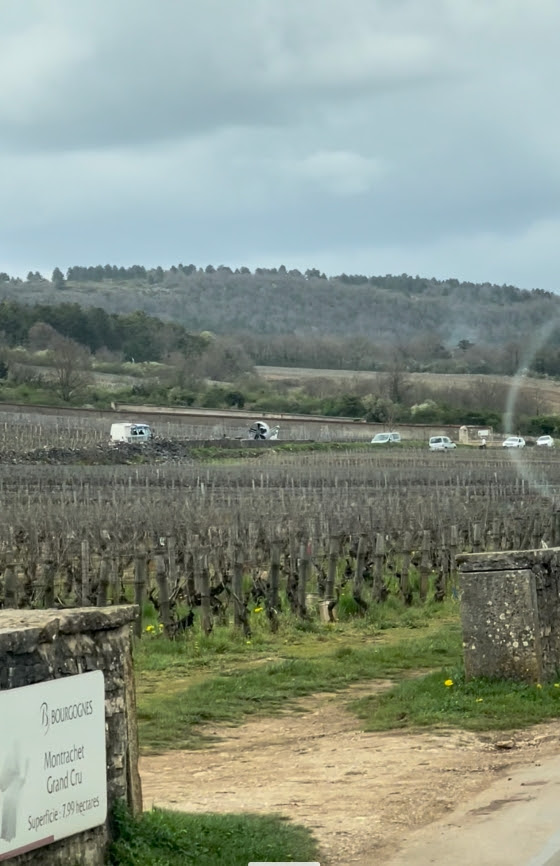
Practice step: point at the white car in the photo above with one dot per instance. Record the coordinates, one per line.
(441, 443)
(385, 438)
(546, 441)
(514, 442)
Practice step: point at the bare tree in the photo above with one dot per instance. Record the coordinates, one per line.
(71, 366)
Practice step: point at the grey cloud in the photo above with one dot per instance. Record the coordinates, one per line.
(422, 135)
(133, 71)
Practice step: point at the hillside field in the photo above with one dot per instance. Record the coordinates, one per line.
(547, 390)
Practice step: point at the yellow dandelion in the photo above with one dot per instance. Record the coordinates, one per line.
(448, 683)
(557, 685)
(479, 700)
(539, 686)
(257, 610)
(161, 626)
(149, 628)
(247, 641)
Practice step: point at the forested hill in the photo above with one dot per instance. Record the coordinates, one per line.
(268, 302)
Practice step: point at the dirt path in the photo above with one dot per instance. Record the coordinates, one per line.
(361, 794)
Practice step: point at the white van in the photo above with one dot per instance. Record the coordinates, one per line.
(127, 432)
(441, 443)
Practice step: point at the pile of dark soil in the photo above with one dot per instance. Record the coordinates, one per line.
(122, 453)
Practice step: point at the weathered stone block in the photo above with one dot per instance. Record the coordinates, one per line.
(510, 614)
(36, 646)
(500, 626)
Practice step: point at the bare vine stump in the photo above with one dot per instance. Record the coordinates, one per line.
(49, 571)
(103, 581)
(163, 594)
(293, 577)
(556, 529)
(442, 578)
(10, 583)
(495, 535)
(476, 538)
(190, 578)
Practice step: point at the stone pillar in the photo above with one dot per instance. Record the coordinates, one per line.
(510, 614)
(41, 646)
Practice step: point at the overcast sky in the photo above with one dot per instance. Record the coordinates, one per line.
(357, 136)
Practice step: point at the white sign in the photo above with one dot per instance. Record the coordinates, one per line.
(53, 777)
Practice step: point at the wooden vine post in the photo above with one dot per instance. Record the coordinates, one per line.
(239, 611)
(406, 593)
(304, 569)
(205, 609)
(273, 580)
(380, 587)
(172, 560)
(425, 565)
(334, 547)
(48, 574)
(453, 551)
(85, 589)
(442, 577)
(358, 582)
(140, 576)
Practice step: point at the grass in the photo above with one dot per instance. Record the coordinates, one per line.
(170, 712)
(186, 686)
(161, 838)
(476, 705)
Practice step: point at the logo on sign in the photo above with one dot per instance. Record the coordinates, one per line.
(45, 717)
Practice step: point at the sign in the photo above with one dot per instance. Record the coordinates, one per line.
(53, 777)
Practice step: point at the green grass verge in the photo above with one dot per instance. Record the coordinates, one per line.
(161, 838)
(169, 718)
(476, 705)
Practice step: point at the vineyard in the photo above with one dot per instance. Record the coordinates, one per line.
(310, 534)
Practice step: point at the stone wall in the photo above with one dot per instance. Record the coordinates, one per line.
(510, 614)
(36, 646)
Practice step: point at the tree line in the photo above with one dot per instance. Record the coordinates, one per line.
(288, 317)
(136, 335)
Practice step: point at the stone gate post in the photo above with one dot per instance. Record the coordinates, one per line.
(510, 614)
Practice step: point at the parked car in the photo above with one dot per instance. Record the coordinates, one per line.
(385, 438)
(441, 443)
(545, 441)
(514, 442)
